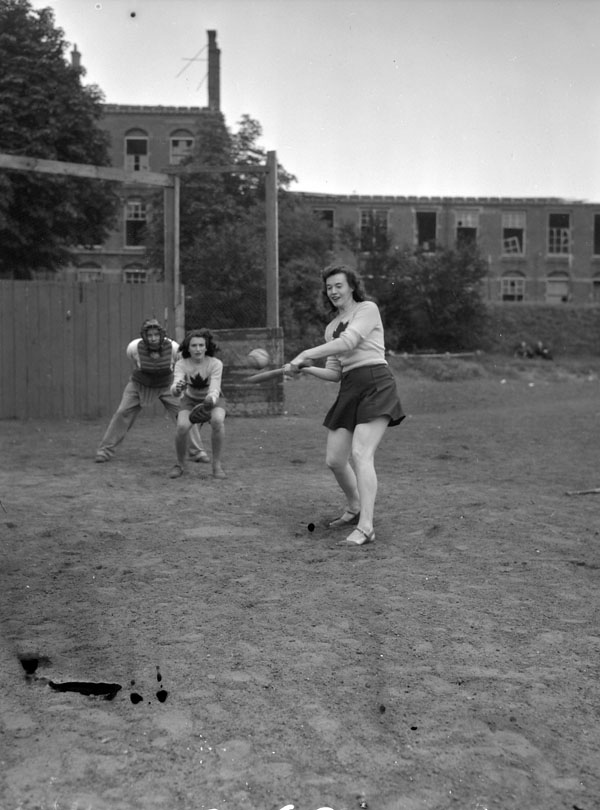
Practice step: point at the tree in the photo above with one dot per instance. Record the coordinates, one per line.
(433, 300)
(46, 112)
(223, 236)
(428, 300)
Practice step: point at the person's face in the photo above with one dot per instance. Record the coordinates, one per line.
(338, 290)
(197, 348)
(153, 336)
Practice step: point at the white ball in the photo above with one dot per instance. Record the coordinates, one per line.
(259, 358)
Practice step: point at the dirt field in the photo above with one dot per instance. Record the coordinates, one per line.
(256, 664)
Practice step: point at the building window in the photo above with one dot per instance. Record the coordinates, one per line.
(373, 229)
(135, 223)
(559, 234)
(596, 234)
(467, 223)
(89, 272)
(181, 146)
(136, 151)
(134, 275)
(512, 288)
(426, 222)
(557, 288)
(325, 215)
(513, 233)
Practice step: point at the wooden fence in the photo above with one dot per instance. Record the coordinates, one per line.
(62, 349)
(62, 345)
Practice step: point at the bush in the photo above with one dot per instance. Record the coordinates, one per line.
(433, 301)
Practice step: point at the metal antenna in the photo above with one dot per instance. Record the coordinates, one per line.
(189, 61)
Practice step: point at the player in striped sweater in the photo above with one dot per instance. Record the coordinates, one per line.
(153, 357)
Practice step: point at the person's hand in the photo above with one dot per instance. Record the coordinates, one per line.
(210, 400)
(296, 366)
(299, 361)
(179, 386)
(290, 370)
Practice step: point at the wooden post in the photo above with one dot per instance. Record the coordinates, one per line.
(272, 264)
(169, 253)
(178, 292)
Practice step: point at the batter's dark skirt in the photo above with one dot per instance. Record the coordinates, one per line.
(365, 394)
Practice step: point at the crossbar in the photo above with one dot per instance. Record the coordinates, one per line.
(31, 164)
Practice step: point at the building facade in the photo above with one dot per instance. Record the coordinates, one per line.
(537, 250)
(142, 138)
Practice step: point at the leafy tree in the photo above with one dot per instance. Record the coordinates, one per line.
(223, 237)
(433, 300)
(427, 300)
(47, 113)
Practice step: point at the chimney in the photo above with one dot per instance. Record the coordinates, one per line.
(75, 58)
(214, 72)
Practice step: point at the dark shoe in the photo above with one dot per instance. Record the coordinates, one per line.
(347, 519)
(176, 471)
(358, 538)
(219, 472)
(101, 458)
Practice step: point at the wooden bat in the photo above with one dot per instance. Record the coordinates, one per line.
(595, 491)
(270, 373)
(261, 376)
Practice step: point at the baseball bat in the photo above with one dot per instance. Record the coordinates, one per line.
(269, 374)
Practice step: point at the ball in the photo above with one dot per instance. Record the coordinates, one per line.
(259, 358)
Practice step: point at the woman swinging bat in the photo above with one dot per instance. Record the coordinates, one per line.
(367, 401)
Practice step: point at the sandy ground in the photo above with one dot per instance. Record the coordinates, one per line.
(253, 663)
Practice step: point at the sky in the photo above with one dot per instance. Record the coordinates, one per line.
(483, 98)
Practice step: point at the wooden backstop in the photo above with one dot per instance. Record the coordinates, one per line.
(62, 349)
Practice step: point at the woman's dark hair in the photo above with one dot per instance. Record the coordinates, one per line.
(211, 346)
(354, 280)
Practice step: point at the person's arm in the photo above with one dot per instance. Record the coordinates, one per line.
(216, 376)
(132, 354)
(336, 346)
(179, 379)
(329, 374)
(361, 326)
(332, 372)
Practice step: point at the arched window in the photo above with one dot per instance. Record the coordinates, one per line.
(558, 288)
(89, 271)
(181, 145)
(136, 150)
(512, 287)
(135, 273)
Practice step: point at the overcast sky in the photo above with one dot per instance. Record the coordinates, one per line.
(402, 97)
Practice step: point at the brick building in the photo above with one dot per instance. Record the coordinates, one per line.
(142, 138)
(538, 250)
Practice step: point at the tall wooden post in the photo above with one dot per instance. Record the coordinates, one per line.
(272, 266)
(171, 254)
(178, 299)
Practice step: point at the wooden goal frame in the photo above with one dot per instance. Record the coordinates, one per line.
(171, 183)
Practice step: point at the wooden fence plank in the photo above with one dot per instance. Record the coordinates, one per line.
(89, 330)
(8, 353)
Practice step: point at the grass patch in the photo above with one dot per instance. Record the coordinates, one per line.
(451, 368)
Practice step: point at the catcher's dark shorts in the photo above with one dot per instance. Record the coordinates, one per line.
(366, 393)
(187, 403)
